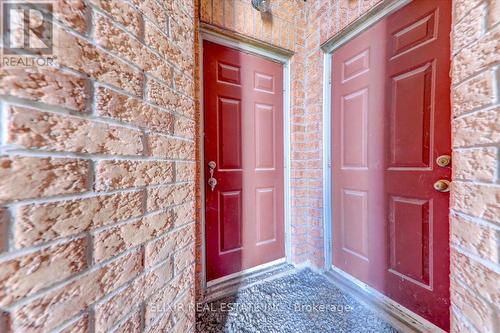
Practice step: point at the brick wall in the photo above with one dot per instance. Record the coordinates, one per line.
(97, 173)
(475, 197)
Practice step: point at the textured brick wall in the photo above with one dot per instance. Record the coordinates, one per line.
(475, 198)
(97, 173)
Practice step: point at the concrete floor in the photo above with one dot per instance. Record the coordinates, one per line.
(300, 302)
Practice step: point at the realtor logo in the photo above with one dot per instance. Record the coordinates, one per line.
(27, 27)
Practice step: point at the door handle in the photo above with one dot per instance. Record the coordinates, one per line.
(212, 182)
(442, 185)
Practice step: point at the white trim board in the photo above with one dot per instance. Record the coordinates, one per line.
(225, 40)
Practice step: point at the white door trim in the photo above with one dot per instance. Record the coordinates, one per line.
(284, 59)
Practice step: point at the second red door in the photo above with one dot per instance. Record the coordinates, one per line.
(244, 205)
(390, 137)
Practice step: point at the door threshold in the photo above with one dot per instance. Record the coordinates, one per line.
(397, 315)
(230, 284)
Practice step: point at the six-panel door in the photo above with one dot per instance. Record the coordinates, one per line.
(390, 122)
(243, 119)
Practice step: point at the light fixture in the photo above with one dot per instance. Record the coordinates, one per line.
(262, 6)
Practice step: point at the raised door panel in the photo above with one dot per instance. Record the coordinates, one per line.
(264, 136)
(354, 223)
(265, 215)
(354, 119)
(410, 232)
(230, 221)
(410, 118)
(229, 140)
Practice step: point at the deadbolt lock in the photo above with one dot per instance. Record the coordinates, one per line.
(442, 185)
(443, 160)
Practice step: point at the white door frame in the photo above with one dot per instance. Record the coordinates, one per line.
(367, 294)
(284, 59)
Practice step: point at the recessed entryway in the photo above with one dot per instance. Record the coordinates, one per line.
(244, 160)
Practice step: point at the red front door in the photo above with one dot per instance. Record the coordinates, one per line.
(390, 122)
(243, 97)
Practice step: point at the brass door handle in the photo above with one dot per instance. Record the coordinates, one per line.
(212, 182)
(443, 160)
(442, 185)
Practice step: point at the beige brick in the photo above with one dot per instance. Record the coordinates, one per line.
(463, 8)
(479, 56)
(459, 324)
(153, 11)
(183, 84)
(169, 147)
(38, 223)
(124, 174)
(475, 93)
(55, 306)
(162, 301)
(178, 313)
(167, 98)
(133, 324)
(480, 279)
(469, 29)
(32, 177)
(493, 13)
(475, 164)
(112, 310)
(475, 238)
(477, 200)
(121, 43)
(157, 40)
(31, 128)
(184, 258)
(78, 54)
(132, 110)
(184, 213)
(72, 13)
(26, 274)
(478, 312)
(206, 11)
(122, 13)
(109, 242)
(80, 325)
(166, 196)
(165, 246)
(185, 171)
(45, 84)
(184, 127)
(479, 128)
(4, 231)
(182, 33)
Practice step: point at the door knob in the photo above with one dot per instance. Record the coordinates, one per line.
(442, 185)
(443, 160)
(212, 182)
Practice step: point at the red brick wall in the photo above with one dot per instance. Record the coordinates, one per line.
(475, 197)
(97, 173)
